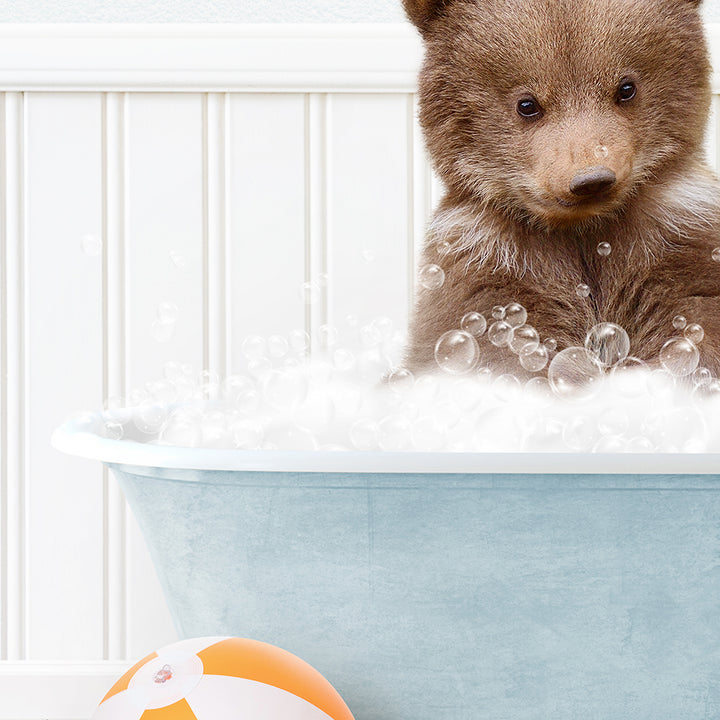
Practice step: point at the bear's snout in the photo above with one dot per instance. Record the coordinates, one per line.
(592, 181)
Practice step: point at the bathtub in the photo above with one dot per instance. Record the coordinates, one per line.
(446, 586)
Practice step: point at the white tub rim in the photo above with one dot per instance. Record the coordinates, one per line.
(77, 437)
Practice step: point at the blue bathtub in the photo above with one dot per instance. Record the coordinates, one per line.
(447, 586)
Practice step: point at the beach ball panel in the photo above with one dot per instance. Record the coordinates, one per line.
(124, 681)
(177, 711)
(216, 695)
(191, 646)
(125, 705)
(179, 673)
(254, 660)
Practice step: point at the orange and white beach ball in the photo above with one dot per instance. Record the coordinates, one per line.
(222, 678)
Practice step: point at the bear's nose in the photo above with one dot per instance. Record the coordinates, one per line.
(592, 181)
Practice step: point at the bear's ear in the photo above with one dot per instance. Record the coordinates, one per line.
(421, 12)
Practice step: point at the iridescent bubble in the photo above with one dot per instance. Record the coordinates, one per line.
(474, 323)
(582, 290)
(535, 358)
(515, 315)
(498, 312)
(500, 333)
(679, 322)
(457, 352)
(601, 152)
(525, 336)
(608, 343)
(694, 333)
(574, 374)
(679, 356)
(432, 277)
(716, 254)
(604, 249)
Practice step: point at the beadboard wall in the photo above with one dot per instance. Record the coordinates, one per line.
(217, 168)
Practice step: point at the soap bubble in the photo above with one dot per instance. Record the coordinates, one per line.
(604, 249)
(538, 392)
(535, 358)
(702, 376)
(370, 336)
(608, 343)
(610, 444)
(442, 247)
(582, 290)
(310, 292)
(474, 323)
(500, 333)
(316, 412)
(364, 435)
(149, 417)
(285, 389)
(613, 421)
(426, 434)
(580, 433)
(524, 337)
(299, 341)
(253, 347)
(456, 352)
(498, 312)
(168, 312)
(694, 333)
(368, 256)
(163, 392)
(173, 371)
(550, 344)
(679, 356)
(289, 438)
(626, 378)
(601, 152)
(400, 380)
(515, 315)
(343, 360)
(277, 346)
(432, 277)
(394, 433)
(574, 374)
(91, 245)
(181, 430)
(506, 388)
(679, 322)
(113, 430)
(246, 433)
(640, 444)
(716, 254)
(327, 336)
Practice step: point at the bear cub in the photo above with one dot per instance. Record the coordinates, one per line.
(569, 138)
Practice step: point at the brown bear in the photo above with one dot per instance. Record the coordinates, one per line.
(564, 130)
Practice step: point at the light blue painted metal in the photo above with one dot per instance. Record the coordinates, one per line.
(455, 597)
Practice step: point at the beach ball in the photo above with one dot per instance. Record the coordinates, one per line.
(222, 678)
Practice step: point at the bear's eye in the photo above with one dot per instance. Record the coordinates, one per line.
(528, 107)
(626, 91)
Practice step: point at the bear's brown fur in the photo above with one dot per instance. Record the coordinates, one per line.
(622, 89)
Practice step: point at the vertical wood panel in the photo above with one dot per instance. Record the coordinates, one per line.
(164, 263)
(368, 203)
(267, 198)
(64, 362)
(14, 613)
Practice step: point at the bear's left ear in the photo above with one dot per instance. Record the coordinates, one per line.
(422, 12)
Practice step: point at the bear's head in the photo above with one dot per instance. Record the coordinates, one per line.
(558, 111)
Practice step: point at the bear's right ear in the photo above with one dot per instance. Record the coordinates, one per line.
(422, 12)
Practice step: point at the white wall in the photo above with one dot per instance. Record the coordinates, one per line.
(218, 11)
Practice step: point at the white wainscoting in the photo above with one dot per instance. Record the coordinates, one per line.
(261, 157)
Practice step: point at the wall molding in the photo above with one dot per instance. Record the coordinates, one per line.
(209, 58)
(55, 690)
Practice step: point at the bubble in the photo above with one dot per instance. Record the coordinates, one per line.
(550, 344)
(168, 312)
(601, 152)
(327, 336)
(213, 429)
(285, 389)
(400, 380)
(610, 444)
(394, 433)
(178, 259)
(640, 444)
(506, 388)
(604, 249)
(370, 336)
(608, 343)
(149, 417)
(515, 315)
(113, 430)
(679, 322)
(343, 360)
(181, 430)
(442, 247)
(162, 331)
(457, 352)
(426, 434)
(259, 367)
(679, 356)
(164, 392)
(384, 325)
(626, 378)
(91, 245)
(474, 323)
(299, 340)
(253, 347)
(277, 346)
(289, 438)
(582, 290)
(367, 255)
(535, 358)
(613, 421)
(716, 254)
(500, 333)
(432, 277)
(364, 435)
(309, 292)
(702, 376)
(498, 312)
(694, 333)
(574, 374)
(525, 336)
(580, 433)
(316, 413)
(173, 371)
